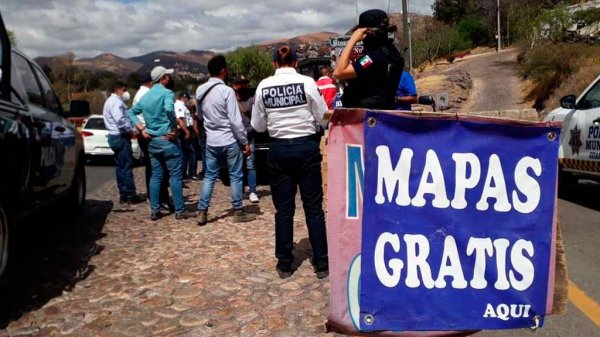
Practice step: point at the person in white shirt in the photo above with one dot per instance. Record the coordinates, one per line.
(182, 113)
(120, 133)
(290, 107)
(145, 86)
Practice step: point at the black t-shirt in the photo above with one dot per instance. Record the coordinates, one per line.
(378, 73)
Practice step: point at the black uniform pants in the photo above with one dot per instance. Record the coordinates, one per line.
(296, 163)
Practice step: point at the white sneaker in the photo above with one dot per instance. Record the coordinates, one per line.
(253, 198)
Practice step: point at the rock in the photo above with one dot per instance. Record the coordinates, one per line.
(193, 320)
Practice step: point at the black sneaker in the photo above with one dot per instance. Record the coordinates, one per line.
(195, 178)
(135, 199)
(123, 206)
(321, 269)
(239, 215)
(284, 269)
(185, 215)
(156, 215)
(167, 206)
(202, 218)
(283, 274)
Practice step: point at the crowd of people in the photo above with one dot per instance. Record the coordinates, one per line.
(219, 123)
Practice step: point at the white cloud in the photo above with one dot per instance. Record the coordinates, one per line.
(131, 28)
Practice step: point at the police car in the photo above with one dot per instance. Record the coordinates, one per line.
(579, 152)
(42, 152)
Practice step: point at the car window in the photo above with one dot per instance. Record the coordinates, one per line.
(1, 46)
(591, 100)
(18, 94)
(52, 102)
(24, 71)
(95, 124)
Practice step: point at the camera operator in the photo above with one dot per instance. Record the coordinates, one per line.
(373, 78)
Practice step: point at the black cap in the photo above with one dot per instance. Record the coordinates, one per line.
(373, 18)
(147, 78)
(240, 79)
(183, 94)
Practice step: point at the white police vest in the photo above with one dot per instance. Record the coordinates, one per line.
(288, 105)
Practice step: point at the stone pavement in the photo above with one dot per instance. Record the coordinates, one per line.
(134, 277)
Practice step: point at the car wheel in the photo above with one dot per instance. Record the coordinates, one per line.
(76, 197)
(6, 246)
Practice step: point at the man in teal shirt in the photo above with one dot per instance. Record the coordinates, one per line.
(157, 107)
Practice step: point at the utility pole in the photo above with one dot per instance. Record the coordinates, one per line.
(406, 31)
(499, 30)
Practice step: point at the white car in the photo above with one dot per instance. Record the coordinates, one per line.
(559, 114)
(95, 139)
(579, 151)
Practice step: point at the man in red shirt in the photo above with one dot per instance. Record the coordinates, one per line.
(327, 87)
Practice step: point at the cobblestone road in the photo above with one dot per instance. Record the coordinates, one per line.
(119, 274)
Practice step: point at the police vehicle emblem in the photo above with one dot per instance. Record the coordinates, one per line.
(575, 141)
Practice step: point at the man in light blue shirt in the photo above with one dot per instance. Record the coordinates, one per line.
(157, 107)
(225, 134)
(120, 132)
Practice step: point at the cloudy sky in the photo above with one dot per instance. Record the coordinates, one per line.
(134, 27)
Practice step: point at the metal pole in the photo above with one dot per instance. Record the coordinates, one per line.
(499, 30)
(508, 29)
(406, 30)
(410, 56)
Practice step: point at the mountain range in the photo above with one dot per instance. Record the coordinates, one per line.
(191, 62)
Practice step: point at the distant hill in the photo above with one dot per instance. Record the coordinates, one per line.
(310, 38)
(193, 61)
(109, 62)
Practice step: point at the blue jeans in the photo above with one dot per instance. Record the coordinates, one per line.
(166, 155)
(190, 165)
(251, 167)
(121, 146)
(235, 160)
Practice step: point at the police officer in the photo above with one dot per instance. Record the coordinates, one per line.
(290, 107)
(373, 78)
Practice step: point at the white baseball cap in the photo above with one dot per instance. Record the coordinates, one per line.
(158, 72)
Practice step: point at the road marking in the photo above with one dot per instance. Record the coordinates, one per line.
(587, 305)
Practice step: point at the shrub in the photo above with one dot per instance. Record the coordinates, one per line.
(575, 84)
(475, 30)
(550, 65)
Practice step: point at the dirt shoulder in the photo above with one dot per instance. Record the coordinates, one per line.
(485, 83)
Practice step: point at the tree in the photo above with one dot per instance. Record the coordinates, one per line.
(452, 11)
(475, 29)
(436, 40)
(254, 62)
(12, 38)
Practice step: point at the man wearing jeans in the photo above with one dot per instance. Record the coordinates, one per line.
(120, 132)
(224, 135)
(157, 107)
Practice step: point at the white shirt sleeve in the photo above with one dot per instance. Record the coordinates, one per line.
(179, 110)
(318, 107)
